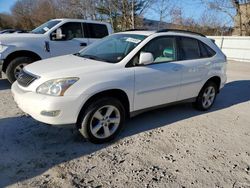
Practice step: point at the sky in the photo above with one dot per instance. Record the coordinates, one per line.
(193, 8)
(190, 8)
(5, 5)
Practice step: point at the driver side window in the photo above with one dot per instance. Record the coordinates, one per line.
(72, 30)
(163, 49)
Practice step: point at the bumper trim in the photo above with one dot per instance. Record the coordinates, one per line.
(55, 110)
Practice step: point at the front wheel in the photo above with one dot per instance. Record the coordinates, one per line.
(16, 66)
(102, 120)
(206, 97)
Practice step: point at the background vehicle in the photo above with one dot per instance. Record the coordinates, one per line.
(54, 38)
(120, 76)
(8, 31)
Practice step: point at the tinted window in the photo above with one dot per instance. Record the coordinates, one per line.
(206, 51)
(162, 48)
(72, 30)
(189, 48)
(203, 50)
(96, 30)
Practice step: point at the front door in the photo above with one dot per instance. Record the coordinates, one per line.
(72, 42)
(159, 82)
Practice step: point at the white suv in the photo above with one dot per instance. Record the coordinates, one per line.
(120, 76)
(53, 38)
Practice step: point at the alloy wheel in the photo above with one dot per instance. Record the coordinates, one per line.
(208, 97)
(105, 121)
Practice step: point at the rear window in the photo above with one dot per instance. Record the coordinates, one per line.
(206, 51)
(96, 30)
(189, 48)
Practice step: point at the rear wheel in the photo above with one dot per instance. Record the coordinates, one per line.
(16, 66)
(207, 96)
(102, 120)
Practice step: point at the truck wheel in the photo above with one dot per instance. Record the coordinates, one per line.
(102, 120)
(206, 97)
(16, 66)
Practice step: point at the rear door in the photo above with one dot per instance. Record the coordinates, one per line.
(196, 62)
(73, 41)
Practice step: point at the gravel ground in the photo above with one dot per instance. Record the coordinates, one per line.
(171, 147)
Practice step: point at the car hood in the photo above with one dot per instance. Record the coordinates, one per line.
(16, 37)
(67, 66)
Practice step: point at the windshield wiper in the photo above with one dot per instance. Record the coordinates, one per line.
(92, 57)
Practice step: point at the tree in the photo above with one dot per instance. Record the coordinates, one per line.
(124, 14)
(234, 12)
(23, 11)
(163, 8)
(6, 21)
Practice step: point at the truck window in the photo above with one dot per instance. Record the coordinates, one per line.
(45, 27)
(95, 30)
(72, 30)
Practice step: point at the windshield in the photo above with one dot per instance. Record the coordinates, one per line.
(113, 48)
(45, 27)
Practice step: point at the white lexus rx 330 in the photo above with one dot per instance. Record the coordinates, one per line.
(120, 76)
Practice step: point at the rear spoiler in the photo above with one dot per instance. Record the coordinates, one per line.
(212, 40)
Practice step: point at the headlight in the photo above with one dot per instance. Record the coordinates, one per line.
(56, 87)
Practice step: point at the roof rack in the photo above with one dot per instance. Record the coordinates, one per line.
(180, 31)
(137, 30)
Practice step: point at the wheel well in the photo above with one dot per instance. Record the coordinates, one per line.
(216, 80)
(16, 54)
(116, 93)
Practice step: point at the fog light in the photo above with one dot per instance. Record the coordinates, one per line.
(51, 113)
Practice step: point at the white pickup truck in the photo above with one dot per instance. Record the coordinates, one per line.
(53, 38)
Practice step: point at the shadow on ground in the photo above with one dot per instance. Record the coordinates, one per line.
(29, 148)
(4, 84)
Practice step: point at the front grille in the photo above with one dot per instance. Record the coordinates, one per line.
(25, 79)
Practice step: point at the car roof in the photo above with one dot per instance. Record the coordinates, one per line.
(166, 32)
(80, 20)
(139, 32)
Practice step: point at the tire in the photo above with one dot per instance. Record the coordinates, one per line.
(95, 121)
(15, 66)
(201, 103)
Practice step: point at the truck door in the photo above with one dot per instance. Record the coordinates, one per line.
(95, 31)
(73, 40)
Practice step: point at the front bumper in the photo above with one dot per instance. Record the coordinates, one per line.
(36, 104)
(1, 67)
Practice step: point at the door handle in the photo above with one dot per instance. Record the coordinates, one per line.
(47, 46)
(83, 44)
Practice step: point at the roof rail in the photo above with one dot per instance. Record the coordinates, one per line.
(137, 30)
(180, 31)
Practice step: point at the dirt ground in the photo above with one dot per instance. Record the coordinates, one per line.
(171, 147)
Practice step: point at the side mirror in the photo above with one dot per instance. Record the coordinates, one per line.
(58, 35)
(146, 58)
